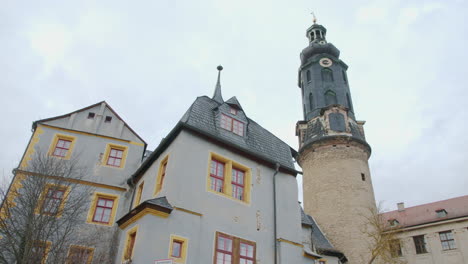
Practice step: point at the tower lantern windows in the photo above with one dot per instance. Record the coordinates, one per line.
(308, 77)
(311, 102)
(327, 75)
(330, 97)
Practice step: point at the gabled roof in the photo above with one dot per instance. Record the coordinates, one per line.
(427, 213)
(234, 102)
(257, 143)
(35, 123)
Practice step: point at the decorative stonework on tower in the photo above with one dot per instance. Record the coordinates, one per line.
(333, 152)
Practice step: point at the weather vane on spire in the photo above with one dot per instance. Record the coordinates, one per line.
(314, 18)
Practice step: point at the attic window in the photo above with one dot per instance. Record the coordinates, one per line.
(441, 213)
(91, 115)
(233, 111)
(108, 119)
(393, 222)
(231, 124)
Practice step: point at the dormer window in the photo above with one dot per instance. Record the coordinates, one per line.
(441, 213)
(108, 119)
(91, 115)
(393, 222)
(233, 125)
(233, 111)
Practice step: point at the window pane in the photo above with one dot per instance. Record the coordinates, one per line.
(101, 202)
(227, 259)
(66, 144)
(59, 143)
(176, 246)
(117, 162)
(98, 214)
(59, 152)
(119, 153)
(240, 178)
(213, 167)
(106, 215)
(109, 203)
(243, 249)
(220, 171)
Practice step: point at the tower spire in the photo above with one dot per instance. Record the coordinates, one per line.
(217, 94)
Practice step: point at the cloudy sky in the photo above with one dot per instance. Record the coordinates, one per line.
(149, 59)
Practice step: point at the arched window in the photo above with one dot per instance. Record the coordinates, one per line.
(345, 79)
(308, 76)
(330, 97)
(311, 101)
(327, 75)
(348, 99)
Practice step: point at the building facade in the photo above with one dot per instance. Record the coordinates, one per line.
(218, 189)
(433, 233)
(333, 152)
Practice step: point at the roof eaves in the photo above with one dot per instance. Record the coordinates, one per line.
(155, 154)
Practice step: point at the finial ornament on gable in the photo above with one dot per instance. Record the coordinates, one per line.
(217, 94)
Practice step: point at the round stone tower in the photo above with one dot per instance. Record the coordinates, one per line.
(333, 152)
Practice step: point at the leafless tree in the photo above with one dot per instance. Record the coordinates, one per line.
(43, 212)
(383, 245)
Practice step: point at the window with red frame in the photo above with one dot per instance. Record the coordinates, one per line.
(231, 124)
(103, 210)
(62, 147)
(233, 250)
(176, 249)
(217, 175)
(115, 157)
(246, 254)
(238, 184)
(223, 250)
(52, 201)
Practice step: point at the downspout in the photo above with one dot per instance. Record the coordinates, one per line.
(277, 166)
(132, 186)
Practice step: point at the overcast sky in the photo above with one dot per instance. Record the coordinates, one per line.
(150, 59)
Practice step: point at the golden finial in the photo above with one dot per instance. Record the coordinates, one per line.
(314, 18)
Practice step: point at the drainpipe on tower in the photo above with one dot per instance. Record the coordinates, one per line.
(277, 166)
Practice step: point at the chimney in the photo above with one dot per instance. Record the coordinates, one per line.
(401, 207)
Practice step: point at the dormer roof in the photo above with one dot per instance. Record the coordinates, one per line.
(234, 102)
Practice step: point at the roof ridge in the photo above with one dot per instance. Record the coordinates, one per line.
(431, 203)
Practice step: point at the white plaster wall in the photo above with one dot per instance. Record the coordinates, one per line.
(185, 187)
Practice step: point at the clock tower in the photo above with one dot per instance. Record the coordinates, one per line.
(333, 151)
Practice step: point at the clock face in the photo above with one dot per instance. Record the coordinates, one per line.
(325, 62)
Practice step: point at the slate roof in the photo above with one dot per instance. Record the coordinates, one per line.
(257, 140)
(201, 117)
(318, 238)
(160, 201)
(305, 219)
(426, 213)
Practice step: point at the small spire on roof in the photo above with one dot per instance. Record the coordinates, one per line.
(217, 94)
(314, 18)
